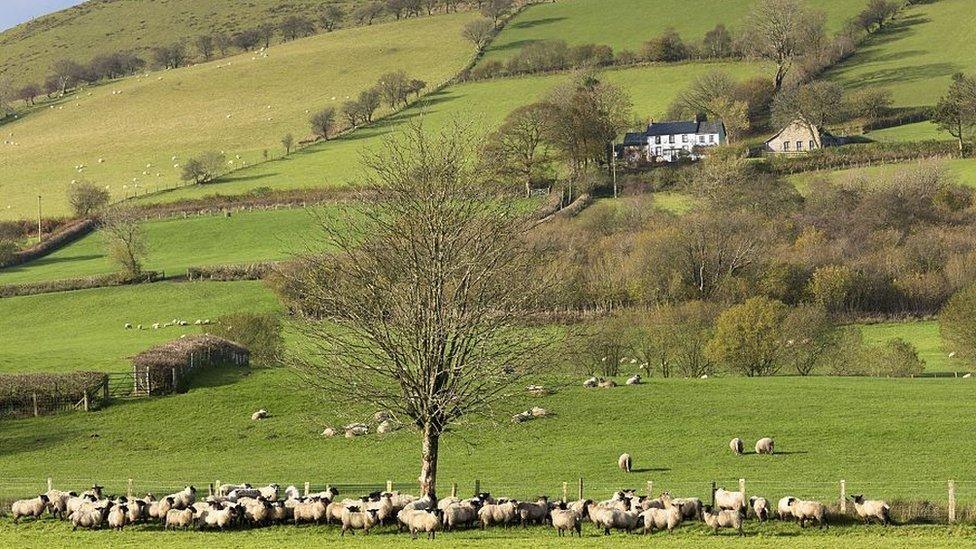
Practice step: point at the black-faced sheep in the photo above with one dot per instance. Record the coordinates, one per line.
(612, 519)
(764, 446)
(730, 501)
(737, 446)
(805, 511)
(33, 507)
(569, 520)
(722, 519)
(760, 507)
(428, 521)
(871, 509)
(356, 518)
(662, 519)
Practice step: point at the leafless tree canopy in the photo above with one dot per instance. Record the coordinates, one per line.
(421, 292)
(124, 239)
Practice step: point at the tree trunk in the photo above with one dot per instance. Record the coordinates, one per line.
(428, 463)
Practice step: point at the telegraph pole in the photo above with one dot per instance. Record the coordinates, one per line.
(38, 218)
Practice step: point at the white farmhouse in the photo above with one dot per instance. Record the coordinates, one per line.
(674, 140)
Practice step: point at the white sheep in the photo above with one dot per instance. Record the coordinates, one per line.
(871, 509)
(591, 383)
(260, 414)
(634, 380)
(184, 498)
(90, 515)
(607, 384)
(568, 520)
(730, 501)
(33, 507)
(624, 462)
(498, 513)
(312, 509)
(58, 502)
(764, 446)
(219, 516)
(462, 513)
(269, 492)
(356, 430)
(783, 508)
(760, 507)
(737, 446)
(118, 517)
(386, 426)
(533, 513)
(427, 521)
(722, 519)
(805, 511)
(612, 519)
(662, 519)
(355, 518)
(291, 492)
(329, 432)
(179, 518)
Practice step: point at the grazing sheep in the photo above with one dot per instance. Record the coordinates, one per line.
(260, 414)
(612, 519)
(423, 520)
(607, 384)
(662, 519)
(634, 380)
(533, 513)
(591, 383)
(219, 516)
(805, 511)
(118, 517)
(737, 446)
(179, 518)
(184, 498)
(764, 446)
(730, 501)
(624, 462)
(760, 507)
(354, 518)
(569, 520)
(498, 513)
(783, 508)
(722, 519)
(871, 509)
(33, 507)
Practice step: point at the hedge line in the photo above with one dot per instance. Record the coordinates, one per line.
(69, 284)
(852, 156)
(65, 235)
(164, 368)
(225, 273)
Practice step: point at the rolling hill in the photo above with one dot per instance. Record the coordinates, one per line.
(27, 51)
(127, 132)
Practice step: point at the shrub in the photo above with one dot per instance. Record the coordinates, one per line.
(957, 323)
(323, 123)
(667, 47)
(831, 287)
(165, 368)
(747, 337)
(488, 69)
(86, 198)
(8, 252)
(259, 332)
(896, 358)
(204, 168)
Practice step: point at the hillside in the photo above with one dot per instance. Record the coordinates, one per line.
(95, 27)
(626, 24)
(242, 105)
(917, 54)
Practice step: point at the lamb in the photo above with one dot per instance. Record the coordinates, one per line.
(354, 518)
(607, 384)
(498, 513)
(722, 519)
(569, 520)
(624, 462)
(737, 446)
(428, 521)
(184, 498)
(534, 513)
(591, 383)
(179, 518)
(118, 517)
(730, 501)
(805, 511)
(760, 507)
(33, 507)
(612, 519)
(871, 509)
(634, 380)
(783, 508)
(662, 519)
(260, 414)
(764, 446)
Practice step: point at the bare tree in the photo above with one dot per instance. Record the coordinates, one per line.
(288, 141)
(417, 309)
(124, 239)
(205, 45)
(479, 33)
(331, 17)
(496, 9)
(519, 149)
(86, 198)
(323, 122)
(781, 31)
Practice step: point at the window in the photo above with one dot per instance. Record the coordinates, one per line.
(813, 144)
(799, 145)
(657, 151)
(711, 138)
(786, 145)
(701, 138)
(684, 138)
(657, 139)
(670, 139)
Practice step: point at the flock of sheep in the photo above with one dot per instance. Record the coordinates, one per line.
(241, 505)
(174, 322)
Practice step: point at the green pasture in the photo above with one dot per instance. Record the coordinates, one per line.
(918, 131)
(964, 170)
(924, 335)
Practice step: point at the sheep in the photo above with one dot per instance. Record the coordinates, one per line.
(258, 511)
(764, 446)
(498, 513)
(737, 446)
(386, 426)
(179, 518)
(270, 492)
(95, 491)
(381, 416)
(760, 507)
(118, 517)
(158, 509)
(522, 417)
(356, 430)
(291, 492)
(591, 383)
(569, 520)
(184, 498)
(634, 380)
(805, 511)
(58, 502)
(383, 507)
(260, 414)
(691, 508)
(76, 502)
(783, 508)
(138, 510)
(127, 326)
(463, 513)
(310, 510)
(607, 384)
(722, 519)
(354, 518)
(869, 509)
(730, 501)
(33, 507)
(225, 489)
(428, 521)
(624, 462)
(220, 517)
(612, 519)
(90, 515)
(537, 411)
(329, 432)
(533, 513)
(662, 519)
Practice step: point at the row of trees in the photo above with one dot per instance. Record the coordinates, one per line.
(65, 74)
(394, 89)
(758, 337)
(956, 110)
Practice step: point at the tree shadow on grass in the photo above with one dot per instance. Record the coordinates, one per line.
(246, 178)
(50, 261)
(536, 22)
(26, 441)
(651, 470)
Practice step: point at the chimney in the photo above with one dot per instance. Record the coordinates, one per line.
(650, 122)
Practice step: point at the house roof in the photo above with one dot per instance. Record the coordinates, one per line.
(821, 133)
(635, 139)
(675, 127)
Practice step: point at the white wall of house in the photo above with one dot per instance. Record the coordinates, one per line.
(668, 147)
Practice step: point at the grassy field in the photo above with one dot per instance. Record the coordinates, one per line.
(84, 330)
(916, 55)
(241, 105)
(924, 335)
(177, 243)
(626, 24)
(482, 105)
(919, 131)
(964, 169)
(28, 50)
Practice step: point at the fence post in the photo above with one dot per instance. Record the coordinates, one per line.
(477, 486)
(843, 496)
(306, 488)
(389, 486)
(217, 485)
(581, 488)
(742, 489)
(453, 489)
(50, 484)
(34, 398)
(713, 494)
(174, 375)
(952, 502)
(105, 388)
(650, 488)
(128, 491)
(86, 401)
(565, 492)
